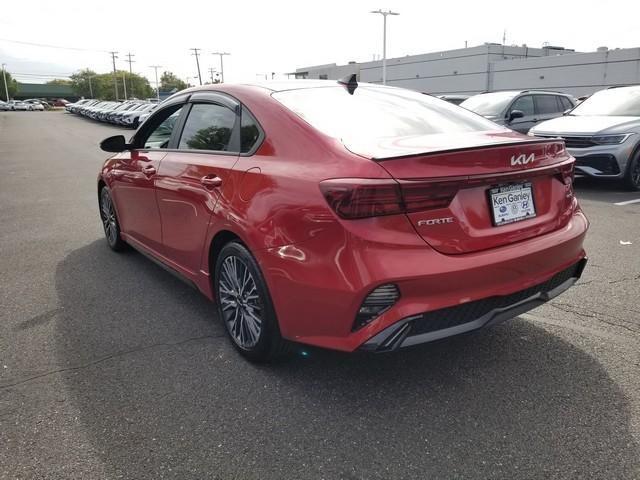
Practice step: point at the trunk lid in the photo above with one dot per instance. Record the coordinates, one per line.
(466, 224)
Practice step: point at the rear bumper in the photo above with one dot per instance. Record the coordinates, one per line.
(318, 286)
(467, 317)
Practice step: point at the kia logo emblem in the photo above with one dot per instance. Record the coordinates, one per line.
(522, 159)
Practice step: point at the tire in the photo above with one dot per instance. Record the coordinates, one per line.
(245, 306)
(110, 222)
(632, 177)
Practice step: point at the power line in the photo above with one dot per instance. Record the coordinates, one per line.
(195, 52)
(46, 45)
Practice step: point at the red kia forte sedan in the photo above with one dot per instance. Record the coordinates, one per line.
(343, 215)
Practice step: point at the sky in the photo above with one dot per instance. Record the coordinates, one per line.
(280, 36)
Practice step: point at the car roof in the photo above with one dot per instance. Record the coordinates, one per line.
(274, 86)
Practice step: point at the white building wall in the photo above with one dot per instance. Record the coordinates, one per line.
(495, 67)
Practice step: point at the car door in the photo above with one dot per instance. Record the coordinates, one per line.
(133, 177)
(547, 107)
(195, 174)
(525, 105)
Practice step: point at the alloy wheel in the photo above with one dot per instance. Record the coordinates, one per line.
(635, 173)
(108, 215)
(240, 302)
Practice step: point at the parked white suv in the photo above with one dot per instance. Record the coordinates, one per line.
(603, 134)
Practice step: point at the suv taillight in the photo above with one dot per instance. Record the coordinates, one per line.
(354, 198)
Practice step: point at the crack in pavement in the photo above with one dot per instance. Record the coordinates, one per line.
(105, 358)
(567, 308)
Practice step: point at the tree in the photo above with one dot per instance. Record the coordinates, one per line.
(169, 81)
(83, 84)
(89, 84)
(59, 81)
(12, 86)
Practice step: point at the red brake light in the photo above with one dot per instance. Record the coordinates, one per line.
(361, 197)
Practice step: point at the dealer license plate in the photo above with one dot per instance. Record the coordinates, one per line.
(512, 203)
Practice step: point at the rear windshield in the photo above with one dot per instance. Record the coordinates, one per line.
(379, 112)
(489, 104)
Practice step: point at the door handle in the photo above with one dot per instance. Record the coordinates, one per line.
(211, 181)
(149, 170)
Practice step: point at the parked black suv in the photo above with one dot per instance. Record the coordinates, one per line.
(522, 109)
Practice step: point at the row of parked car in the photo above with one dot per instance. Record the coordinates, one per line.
(128, 114)
(32, 104)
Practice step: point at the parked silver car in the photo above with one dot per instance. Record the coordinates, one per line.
(603, 134)
(520, 110)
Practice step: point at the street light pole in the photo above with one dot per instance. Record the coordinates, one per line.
(90, 87)
(221, 64)
(384, 40)
(156, 67)
(4, 75)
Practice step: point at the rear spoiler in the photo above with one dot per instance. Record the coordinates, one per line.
(476, 147)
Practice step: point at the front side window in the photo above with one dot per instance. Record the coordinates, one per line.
(160, 135)
(546, 104)
(524, 104)
(208, 127)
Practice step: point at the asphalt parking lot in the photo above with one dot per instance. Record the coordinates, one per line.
(112, 368)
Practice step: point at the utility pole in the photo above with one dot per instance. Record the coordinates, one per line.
(221, 64)
(195, 52)
(90, 87)
(129, 55)
(156, 67)
(124, 84)
(115, 76)
(4, 75)
(384, 41)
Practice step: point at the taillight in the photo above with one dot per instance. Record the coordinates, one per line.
(567, 173)
(354, 198)
(362, 197)
(419, 196)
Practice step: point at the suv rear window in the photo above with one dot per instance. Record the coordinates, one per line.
(379, 112)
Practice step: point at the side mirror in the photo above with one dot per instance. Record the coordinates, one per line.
(114, 144)
(515, 114)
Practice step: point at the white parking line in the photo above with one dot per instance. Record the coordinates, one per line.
(628, 202)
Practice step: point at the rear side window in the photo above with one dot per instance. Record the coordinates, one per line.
(208, 127)
(249, 131)
(373, 113)
(547, 104)
(566, 103)
(524, 104)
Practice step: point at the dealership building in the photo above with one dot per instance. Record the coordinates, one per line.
(493, 67)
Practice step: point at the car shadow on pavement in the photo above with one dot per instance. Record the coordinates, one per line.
(161, 393)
